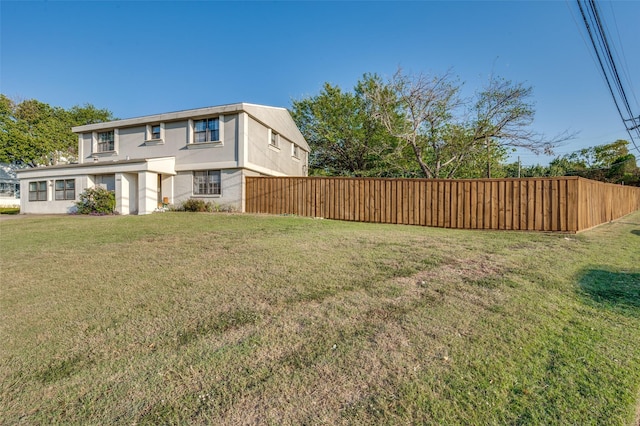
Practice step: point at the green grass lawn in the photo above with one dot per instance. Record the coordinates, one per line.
(211, 318)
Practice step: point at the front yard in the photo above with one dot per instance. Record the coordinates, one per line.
(216, 318)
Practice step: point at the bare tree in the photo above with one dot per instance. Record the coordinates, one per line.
(417, 110)
(503, 117)
(428, 115)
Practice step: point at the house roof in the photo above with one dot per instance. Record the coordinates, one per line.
(276, 118)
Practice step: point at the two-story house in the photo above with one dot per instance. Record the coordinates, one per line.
(168, 158)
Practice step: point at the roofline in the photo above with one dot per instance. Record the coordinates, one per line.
(94, 164)
(170, 116)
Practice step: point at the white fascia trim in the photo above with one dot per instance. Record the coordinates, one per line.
(159, 118)
(207, 166)
(164, 165)
(265, 171)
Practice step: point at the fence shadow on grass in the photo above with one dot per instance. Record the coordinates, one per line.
(615, 290)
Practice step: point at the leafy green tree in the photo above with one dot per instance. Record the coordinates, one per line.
(610, 162)
(343, 137)
(600, 156)
(33, 133)
(511, 170)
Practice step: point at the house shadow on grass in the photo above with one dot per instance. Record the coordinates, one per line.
(617, 291)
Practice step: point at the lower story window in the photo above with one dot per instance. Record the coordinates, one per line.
(206, 182)
(38, 191)
(66, 189)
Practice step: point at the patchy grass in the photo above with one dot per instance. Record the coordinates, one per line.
(209, 319)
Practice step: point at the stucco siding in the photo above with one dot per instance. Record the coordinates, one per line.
(127, 186)
(258, 143)
(269, 159)
(230, 183)
(131, 142)
(51, 205)
(84, 154)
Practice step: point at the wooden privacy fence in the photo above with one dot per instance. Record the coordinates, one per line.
(565, 204)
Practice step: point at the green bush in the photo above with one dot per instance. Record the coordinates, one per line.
(196, 205)
(202, 206)
(9, 210)
(97, 201)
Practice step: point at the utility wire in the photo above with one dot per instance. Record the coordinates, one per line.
(625, 66)
(598, 37)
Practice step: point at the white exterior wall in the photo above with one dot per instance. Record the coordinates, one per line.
(9, 201)
(266, 159)
(147, 192)
(52, 206)
(231, 184)
(127, 190)
(132, 143)
(167, 189)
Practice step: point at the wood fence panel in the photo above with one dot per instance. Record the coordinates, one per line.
(523, 188)
(404, 202)
(545, 198)
(453, 202)
(473, 204)
(461, 202)
(504, 204)
(486, 208)
(515, 206)
(567, 204)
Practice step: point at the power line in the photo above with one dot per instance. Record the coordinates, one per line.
(597, 35)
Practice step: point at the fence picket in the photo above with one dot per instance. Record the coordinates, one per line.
(567, 204)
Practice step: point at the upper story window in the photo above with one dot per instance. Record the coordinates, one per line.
(154, 134)
(155, 131)
(274, 139)
(295, 151)
(207, 130)
(38, 191)
(106, 141)
(65, 189)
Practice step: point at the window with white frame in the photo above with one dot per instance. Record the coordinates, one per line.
(154, 134)
(207, 130)
(155, 131)
(206, 182)
(106, 141)
(65, 189)
(38, 191)
(274, 139)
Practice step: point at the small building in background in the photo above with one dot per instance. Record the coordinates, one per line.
(9, 186)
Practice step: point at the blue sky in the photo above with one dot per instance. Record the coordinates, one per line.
(138, 58)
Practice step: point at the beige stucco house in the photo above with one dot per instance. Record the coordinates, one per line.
(148, 161)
